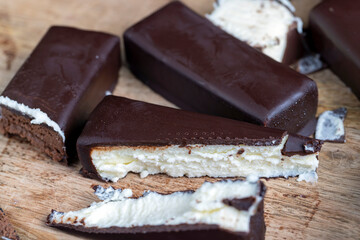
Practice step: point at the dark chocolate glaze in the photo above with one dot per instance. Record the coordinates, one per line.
(296, 145)
(199, 67)
(335, 32)
(178, 232)
(66, 76)
(118, 121)
(240, 204)
(294, 46)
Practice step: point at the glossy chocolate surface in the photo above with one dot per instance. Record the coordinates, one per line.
(199, 67)
(118, 121)
(335, 32)
(294, 46)
(67, 75)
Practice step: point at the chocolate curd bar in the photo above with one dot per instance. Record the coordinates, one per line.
(51, 96)
(199, 67)
(334, 27)
(221, 210)
(124, 135)
(267, 25)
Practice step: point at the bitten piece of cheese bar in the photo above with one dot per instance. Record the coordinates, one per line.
(52, 94)
(221, 210)
(267, 25)
(124, 135)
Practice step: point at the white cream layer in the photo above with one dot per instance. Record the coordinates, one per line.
(113, 163)
(260, 23)
(329, 127)
(203, 206)
(38, 116)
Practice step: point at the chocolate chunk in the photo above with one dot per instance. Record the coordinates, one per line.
(199, 67)
(7, 231)
(241, 204)
(309, 64)
(299, 145)
(124, 135)
(193, 215)
(330, 126)
(52, 94)
(335, 32)
(241, 151)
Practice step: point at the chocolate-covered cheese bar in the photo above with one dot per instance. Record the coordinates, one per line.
(267, 25)
(335, 32)
(7, 231)
(52, 94)
(199, 67)
(220, 210)
(124, 135)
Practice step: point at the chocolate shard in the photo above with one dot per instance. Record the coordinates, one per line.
(269, 26)
(310, 63)
(124, 135)
(7, 231)
(52, 94)
(240, 204)
(191, 214)
(330, 126)
(199, 67)
(334, 27)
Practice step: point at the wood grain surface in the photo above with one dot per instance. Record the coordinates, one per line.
(31, 184)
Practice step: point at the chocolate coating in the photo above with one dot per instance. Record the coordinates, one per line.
(178, 232)
(294, 46)
(118, 121)
(335, 32)
(199, 67)
(66, 76)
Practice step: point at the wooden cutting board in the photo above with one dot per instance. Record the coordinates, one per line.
(31, 184)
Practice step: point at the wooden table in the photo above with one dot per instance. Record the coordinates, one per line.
(31, 184)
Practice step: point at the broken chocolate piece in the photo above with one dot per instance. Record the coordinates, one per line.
(330, 126)
(309, 64)
(269, 26)
(124, 135)
(334, 27)
(52, 94)
(202, 212)
(199, 67)
(7, 231)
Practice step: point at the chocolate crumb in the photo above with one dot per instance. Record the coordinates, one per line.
(241, 151)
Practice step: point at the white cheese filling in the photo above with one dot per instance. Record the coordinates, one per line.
(330, 126)
(113, 163)
(203, 206)
(38, 116)
(261, 23)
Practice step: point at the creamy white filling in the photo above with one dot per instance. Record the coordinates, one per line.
(260, 23)
(203, 206)
(113, 163)
(330, 126)
(311, 177)
(38, 116)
